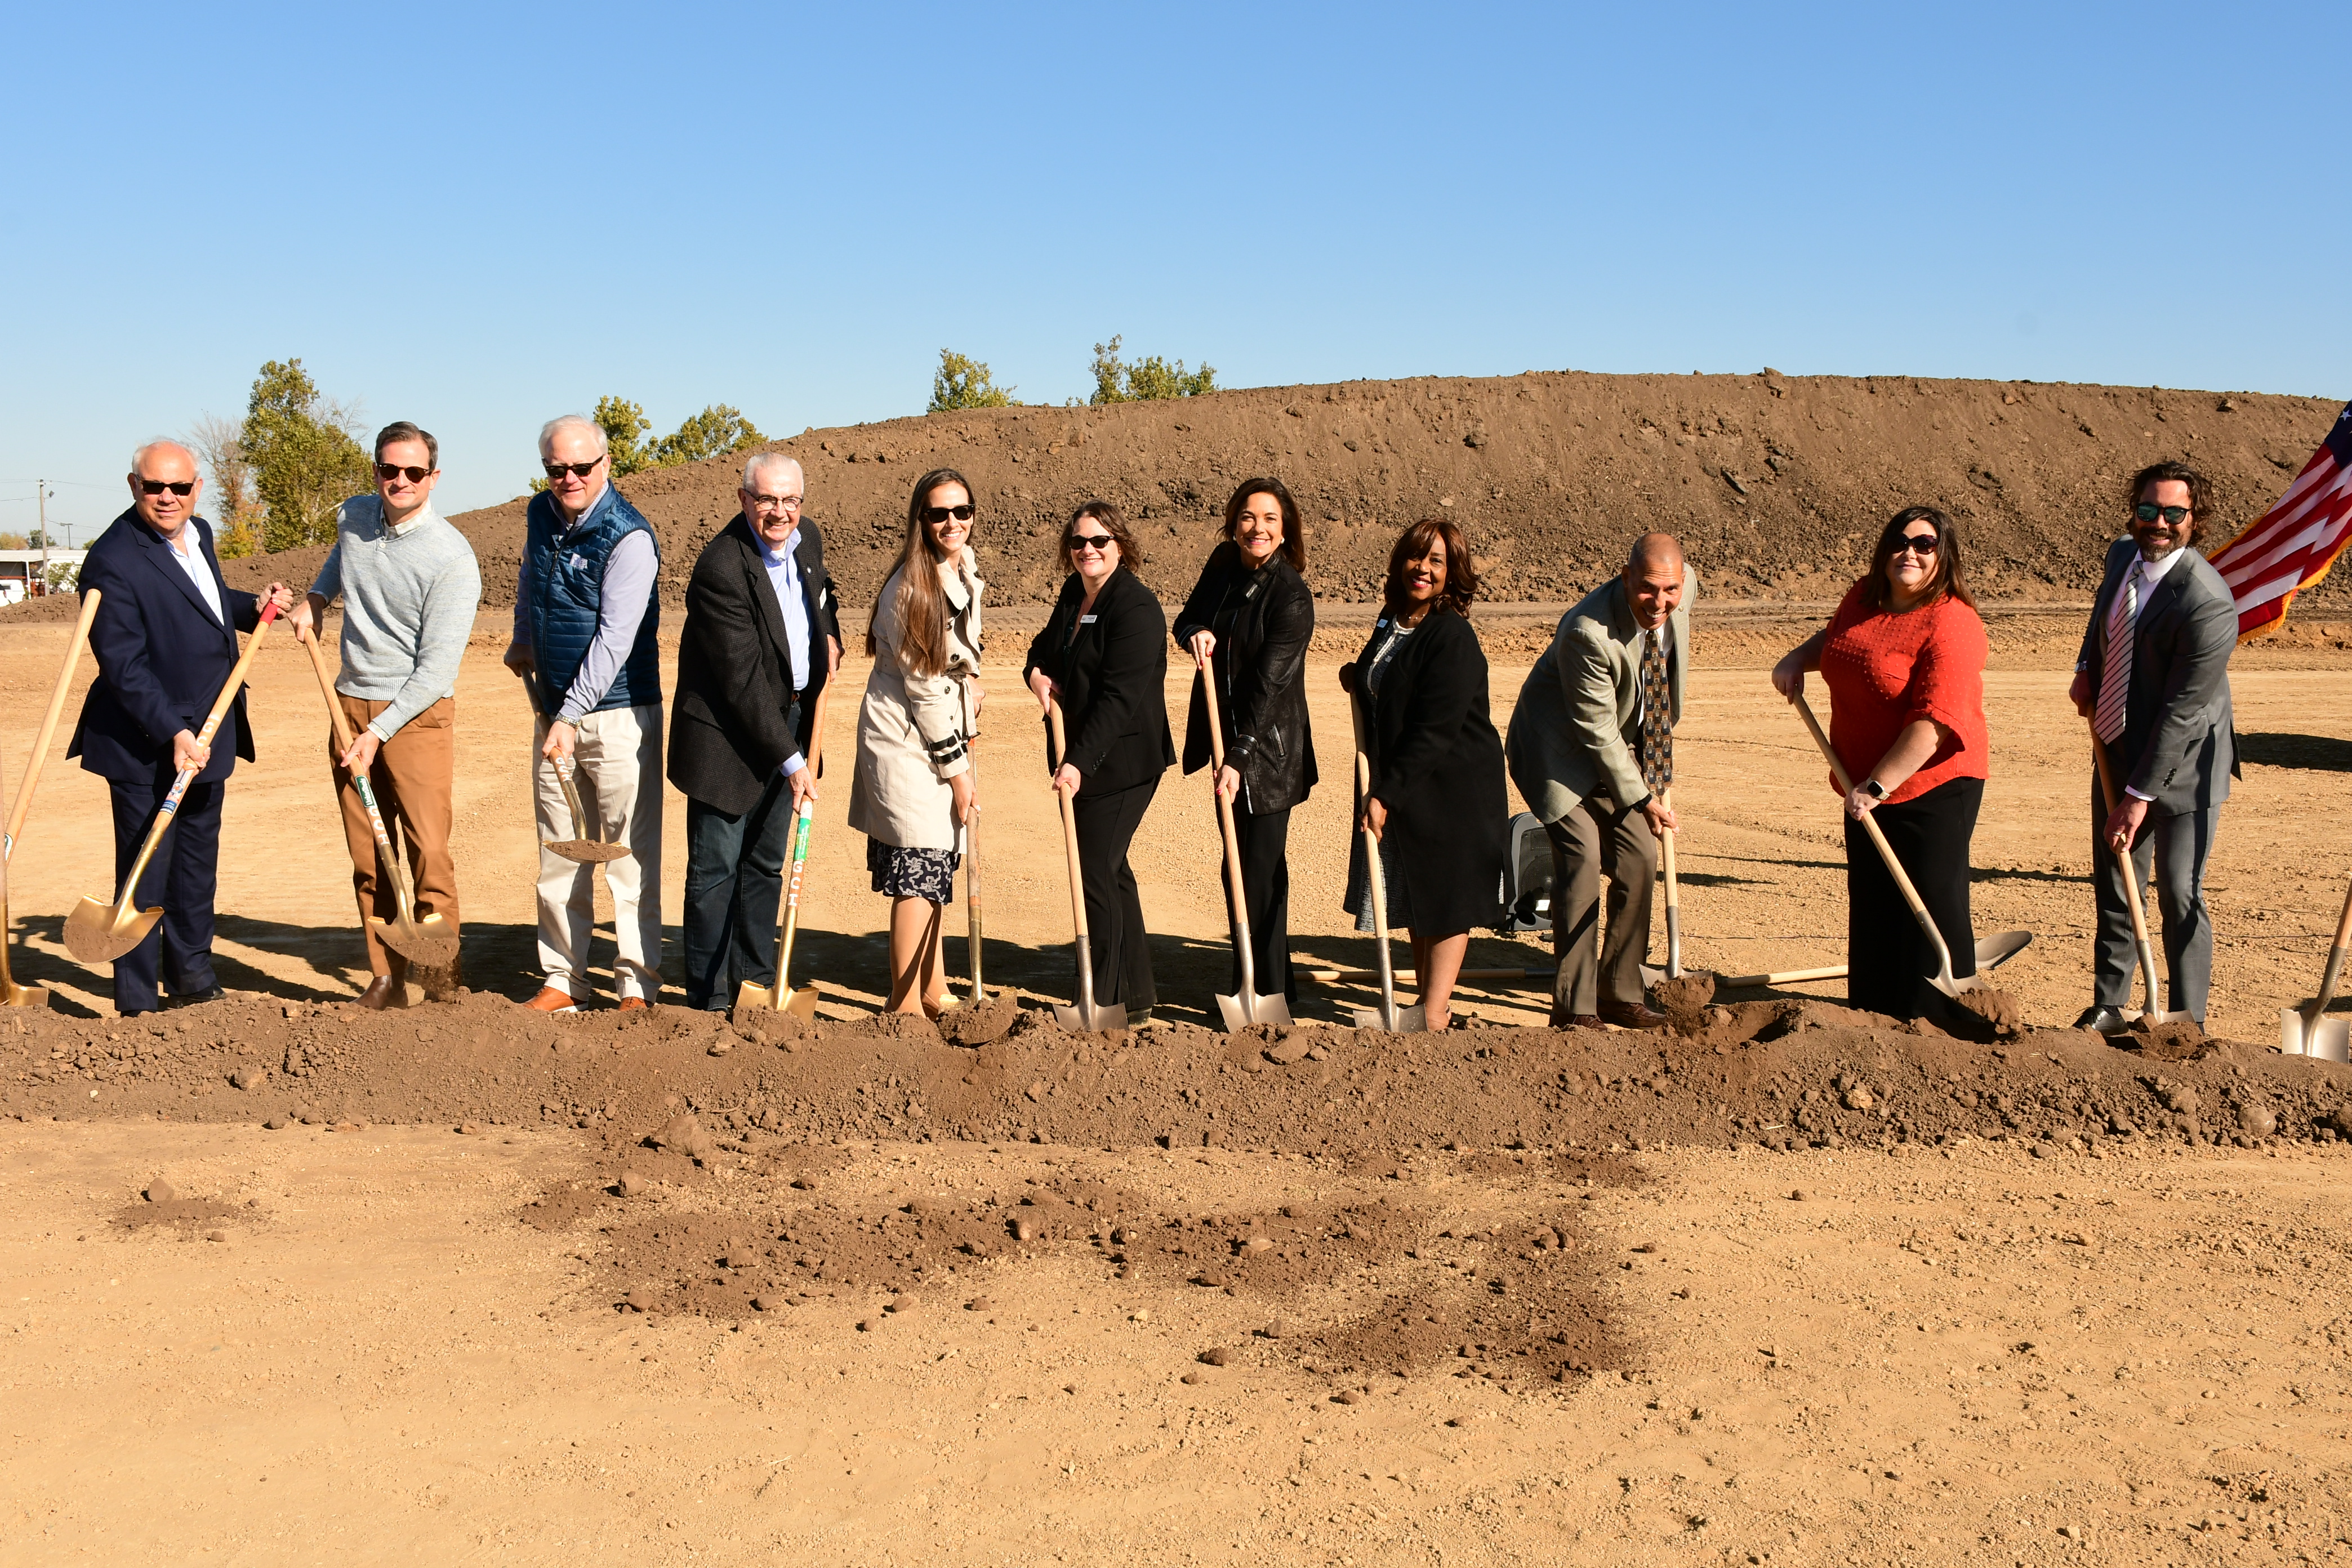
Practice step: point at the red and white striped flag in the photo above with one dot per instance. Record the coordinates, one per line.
(2292, 544)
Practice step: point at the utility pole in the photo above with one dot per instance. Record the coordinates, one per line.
(41, 489)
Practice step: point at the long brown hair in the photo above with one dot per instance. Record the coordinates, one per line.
(1460, 576)
(922, 605)
(1951, 579)
(1294, 536)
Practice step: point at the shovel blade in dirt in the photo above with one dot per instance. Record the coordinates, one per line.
(1412, 1020)
(795, 999)
(1248, 1008)
(427, 943)
(101, 933)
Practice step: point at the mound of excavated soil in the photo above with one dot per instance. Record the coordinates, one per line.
(1778, 484)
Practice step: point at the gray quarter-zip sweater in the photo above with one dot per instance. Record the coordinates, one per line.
(409, 597)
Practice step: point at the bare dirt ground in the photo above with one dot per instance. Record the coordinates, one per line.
(2027, 1305)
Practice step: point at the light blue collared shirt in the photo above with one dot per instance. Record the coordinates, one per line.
(785, 581)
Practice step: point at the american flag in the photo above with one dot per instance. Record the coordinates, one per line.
(2292, 544)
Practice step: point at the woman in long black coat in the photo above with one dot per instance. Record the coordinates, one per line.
(1104, 653)
(1249, 619)
(1437, 804)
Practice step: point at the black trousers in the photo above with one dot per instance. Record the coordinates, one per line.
(183, 878)
(733, 883)
(1263, 838)
(1122, 952)
(1888, 957)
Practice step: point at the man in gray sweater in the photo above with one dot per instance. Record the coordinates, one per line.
(410, 587)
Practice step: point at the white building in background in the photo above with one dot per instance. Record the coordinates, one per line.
(21, 572)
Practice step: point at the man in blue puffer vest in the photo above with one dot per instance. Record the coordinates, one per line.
(585, 616)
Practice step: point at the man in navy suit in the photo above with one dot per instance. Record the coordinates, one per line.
(165, 639)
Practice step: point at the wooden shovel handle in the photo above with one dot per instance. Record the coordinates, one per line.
(41, 752)
(1225, 828)
(1885, 850)
(1069, 821)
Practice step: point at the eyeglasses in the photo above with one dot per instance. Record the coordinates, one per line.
(774, 503)
(577, 470)
(177, 487)
(2148, 511)
(1096, 541)
(935, 515)
(388, 472)
(1917, 544)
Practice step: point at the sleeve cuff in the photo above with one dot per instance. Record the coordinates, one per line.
(2138, 794)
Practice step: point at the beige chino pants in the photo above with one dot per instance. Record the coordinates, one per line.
(617, 761)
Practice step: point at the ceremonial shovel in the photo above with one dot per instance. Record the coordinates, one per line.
(1674, 899)
(579, 849)
(428, 944)
(1248, 1008)
(2309, 1022)
(972, 940)
(1942, 980)
(101, 933)
(1085, 1013)
(1992, 952)
(2154, 1013)
(780, 996)
(11, 993)
(1393, 1019)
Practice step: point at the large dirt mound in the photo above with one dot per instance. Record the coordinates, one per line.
(1777, 483)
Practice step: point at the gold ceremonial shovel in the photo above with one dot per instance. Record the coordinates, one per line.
(101, 933)
(780, 996)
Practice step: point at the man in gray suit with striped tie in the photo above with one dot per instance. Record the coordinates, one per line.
(2154, 680)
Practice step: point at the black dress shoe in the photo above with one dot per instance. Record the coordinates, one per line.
(196, 998)
(2102, 1021)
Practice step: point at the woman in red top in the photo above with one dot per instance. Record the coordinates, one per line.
(1904, 658)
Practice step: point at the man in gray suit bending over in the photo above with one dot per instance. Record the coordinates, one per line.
(1591, 748)
(2154, 680)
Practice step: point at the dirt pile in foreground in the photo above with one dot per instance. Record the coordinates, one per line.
(1778, 484)
(1776, 1073)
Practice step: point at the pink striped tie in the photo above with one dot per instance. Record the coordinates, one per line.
(2114, 675)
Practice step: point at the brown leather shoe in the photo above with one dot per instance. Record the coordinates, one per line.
(1631, 1015)
(633, 1005)
(1579, 1021)
(550, 1000)
(379, 993)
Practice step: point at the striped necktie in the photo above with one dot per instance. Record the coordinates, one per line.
(1657, 716)
(2114, 675)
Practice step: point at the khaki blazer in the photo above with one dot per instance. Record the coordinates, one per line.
(914, 731)
(1577, 730)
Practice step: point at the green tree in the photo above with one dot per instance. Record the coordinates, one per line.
(713, 432)
(1147, 378)
(302, 457)
(625, 428)
(964, 383)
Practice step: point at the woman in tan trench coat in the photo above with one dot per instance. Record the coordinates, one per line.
(913, 791)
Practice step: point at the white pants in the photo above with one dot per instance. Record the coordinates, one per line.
(617, 761)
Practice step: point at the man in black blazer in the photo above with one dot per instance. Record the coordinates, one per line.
(165, 639)
(762, 638)
(2154, 680)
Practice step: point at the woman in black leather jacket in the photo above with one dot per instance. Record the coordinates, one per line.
(1250, 618)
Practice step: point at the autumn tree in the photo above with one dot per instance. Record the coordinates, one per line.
(962, 382)
(301, 452)
(236, 520)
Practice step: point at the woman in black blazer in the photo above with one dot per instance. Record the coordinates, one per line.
(1250, 617)
(1437, 804)
(1104, 653)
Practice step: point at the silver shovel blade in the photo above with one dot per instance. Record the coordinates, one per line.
(1248, 1008)
(1101, 1016)
(1998, 948)
(1412, 1020)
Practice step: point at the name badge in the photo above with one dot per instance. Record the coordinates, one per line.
(1085, 620)
(1380, 626)
(579, 561)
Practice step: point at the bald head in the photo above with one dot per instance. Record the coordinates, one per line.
(164, 485)
(1654, 579)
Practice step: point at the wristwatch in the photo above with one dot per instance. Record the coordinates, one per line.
(1873, 788)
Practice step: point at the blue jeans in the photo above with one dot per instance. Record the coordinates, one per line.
(733, 883)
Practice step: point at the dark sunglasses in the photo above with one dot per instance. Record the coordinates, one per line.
(935, 515)
(2148, 511)
(177, 487)
(577, 470)
(1096, 541)
(388, 472)
(1916, 543)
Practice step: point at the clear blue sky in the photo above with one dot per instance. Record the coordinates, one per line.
(480, 217)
